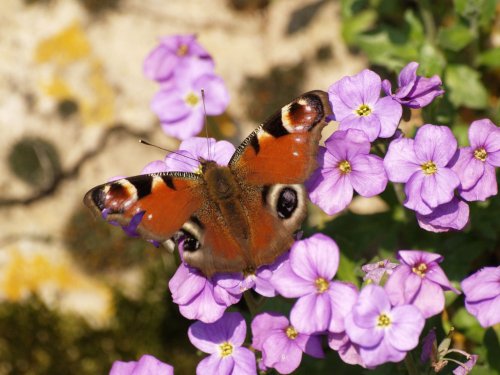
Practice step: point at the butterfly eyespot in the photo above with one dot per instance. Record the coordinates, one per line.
(190, 243)
(287, 203)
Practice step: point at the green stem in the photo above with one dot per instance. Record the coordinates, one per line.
(428, 19)
(252, 304)
(410, 364)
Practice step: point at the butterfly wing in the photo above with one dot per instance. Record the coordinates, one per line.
(165, 200)
(278, 157)
(283, 149)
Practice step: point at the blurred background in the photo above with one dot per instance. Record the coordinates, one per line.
(77, 294)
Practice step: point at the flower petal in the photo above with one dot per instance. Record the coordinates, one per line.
(207, 336)
(413, 191)
(244, 362)
(186, 127)
(289, 285)
(214, 364)
(368, 177)
(332, 192)
(315, 257)
(382, 353)
(389, 113)
(406, 325)
(400, 161)
(169, 105)
(372, 301)
(282, 354)
(393, 286)
(435, 143)
(483, 284)
(467, 167)
(343, 296)
(451, 215)
(346, 144)
(485, 187)
(311, 313)
(265, 325)
(430, 299)
(203, 307)
(484, 133)
(216, 93)
(370, 125)
(362, 336)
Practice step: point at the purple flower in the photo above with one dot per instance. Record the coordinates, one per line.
(445, 217)
(414, 91)
(419, 281)
(422, 165)
(429, 347)
(375, 271)
(260, 281)
(281, 344)
(191, 151)
(482, 295)
(467, 366)
(172, 53)
(147, 365)
(179, 104)
(475, 165)
(345, 165)
(198, 297)
(322, 303)
(346, 349)
(383, 333)
(356, 104)
(222, 340)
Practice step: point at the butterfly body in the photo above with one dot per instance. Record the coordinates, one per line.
(231, 218)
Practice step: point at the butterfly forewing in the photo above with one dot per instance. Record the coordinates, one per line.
(167, 200)
(283, 149)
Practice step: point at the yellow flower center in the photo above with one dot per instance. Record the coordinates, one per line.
(182, 50)
(225, 349)
(420, 269)
(291, 333)
(345, 167)
(480, 154)
(321, 285)
(429, 168)
(192, 99)
(363, 110)
(383, 321)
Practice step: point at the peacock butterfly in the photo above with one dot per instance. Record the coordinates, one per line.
(236, 217)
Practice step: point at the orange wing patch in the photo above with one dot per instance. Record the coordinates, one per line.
(167, 200)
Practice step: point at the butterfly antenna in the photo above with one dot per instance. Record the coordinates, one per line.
(172, 152)
(206, 122)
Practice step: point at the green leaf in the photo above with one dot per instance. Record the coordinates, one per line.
(432, 60)
(352, 27)
(456, 37)
(347, 270)
(477, 11)
(491, 343)
(465, 87)
(468, 324)
(393, 47)
(490, 58)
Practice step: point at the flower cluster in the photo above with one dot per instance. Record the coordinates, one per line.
(439, 177)
(183, 68)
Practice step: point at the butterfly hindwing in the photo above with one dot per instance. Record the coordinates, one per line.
(167, 200)
(283, 149)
